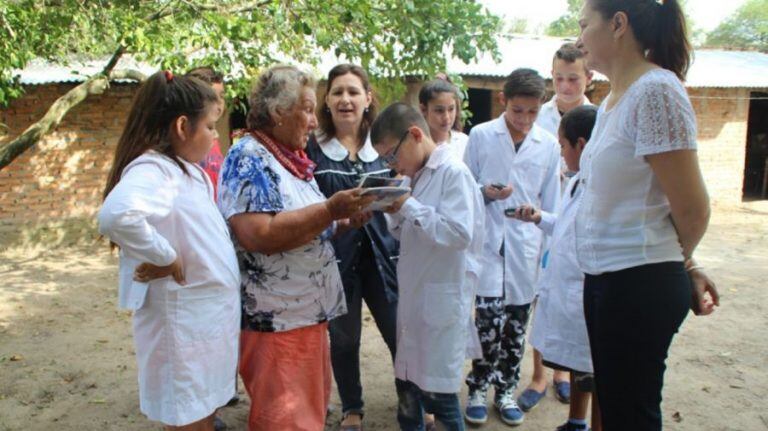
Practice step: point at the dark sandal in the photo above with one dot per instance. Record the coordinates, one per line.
(351, 427)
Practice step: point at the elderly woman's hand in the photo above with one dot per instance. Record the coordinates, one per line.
(359, 220)
(345, 203)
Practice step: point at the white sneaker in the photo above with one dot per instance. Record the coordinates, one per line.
(476, 411)
(510, 412)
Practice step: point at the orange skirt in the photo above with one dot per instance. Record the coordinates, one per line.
(288, 378)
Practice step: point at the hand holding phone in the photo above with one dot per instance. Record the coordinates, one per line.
(525, 212)
(497, 191)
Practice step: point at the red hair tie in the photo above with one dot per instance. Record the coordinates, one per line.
(168, 76)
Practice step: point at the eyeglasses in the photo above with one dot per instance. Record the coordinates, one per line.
(390, 159)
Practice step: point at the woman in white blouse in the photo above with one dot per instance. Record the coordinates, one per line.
(644, 208)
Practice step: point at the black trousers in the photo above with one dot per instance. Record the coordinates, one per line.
(345, 331)
(632, 316)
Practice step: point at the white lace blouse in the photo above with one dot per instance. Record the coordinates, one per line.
(624, 218)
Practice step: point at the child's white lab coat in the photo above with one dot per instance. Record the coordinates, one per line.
(534, 173)
(559, 330)
(440, 229)
(186, 336)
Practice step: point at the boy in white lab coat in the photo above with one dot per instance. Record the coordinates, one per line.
(440, 228)
(570, 79)
(515, 162)
(559, 330)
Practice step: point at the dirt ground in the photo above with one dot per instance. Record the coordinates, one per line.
(67, 360)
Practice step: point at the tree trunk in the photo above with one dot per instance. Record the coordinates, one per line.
(94, 85)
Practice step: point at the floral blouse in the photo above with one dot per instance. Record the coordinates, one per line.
(288, 290)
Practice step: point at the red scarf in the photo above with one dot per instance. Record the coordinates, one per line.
(296, 161)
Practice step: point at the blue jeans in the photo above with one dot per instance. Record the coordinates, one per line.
(364, 284)
(413, 402)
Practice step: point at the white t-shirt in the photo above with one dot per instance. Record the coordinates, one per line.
(549, 115)
(624, 219)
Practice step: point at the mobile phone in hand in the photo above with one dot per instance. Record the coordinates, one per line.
(498, 186)
(510, 212)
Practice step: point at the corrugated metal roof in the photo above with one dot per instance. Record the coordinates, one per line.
(40, 72)
(516, 52)
(710, 68)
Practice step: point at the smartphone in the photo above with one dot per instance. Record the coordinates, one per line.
(510, 212)
(498, 186)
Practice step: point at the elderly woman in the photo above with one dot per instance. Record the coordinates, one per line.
(343, 152)
(282, 225)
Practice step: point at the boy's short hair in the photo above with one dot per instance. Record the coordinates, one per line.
(395, 120)
(569, 53)
(207, 74)
(524, 82)
(578, 123)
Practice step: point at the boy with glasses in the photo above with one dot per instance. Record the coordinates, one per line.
(440, 227)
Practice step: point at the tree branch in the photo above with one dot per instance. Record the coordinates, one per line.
(210, 8)
(113, 61)
(94, 85)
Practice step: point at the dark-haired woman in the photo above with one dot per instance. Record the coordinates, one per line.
(343, 153)
(644, 208)
(178, 270)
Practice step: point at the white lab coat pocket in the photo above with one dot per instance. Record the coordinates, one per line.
(442, 304)
(201, 313)
(131, 293)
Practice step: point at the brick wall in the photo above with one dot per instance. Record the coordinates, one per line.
(722, 142)
(52, 191)
(721, 116)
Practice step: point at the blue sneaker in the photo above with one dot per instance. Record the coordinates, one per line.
(477, 411)
(563, 391)
(509, 411)
(530, 398)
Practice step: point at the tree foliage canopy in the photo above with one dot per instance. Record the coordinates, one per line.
(568, 24)
(391, 38)
(746, 28)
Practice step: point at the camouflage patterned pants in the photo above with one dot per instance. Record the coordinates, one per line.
(502, 336)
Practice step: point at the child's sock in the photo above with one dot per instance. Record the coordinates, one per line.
(581, 423)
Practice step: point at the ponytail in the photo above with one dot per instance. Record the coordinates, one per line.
(659, 27)
(160, 100)
(671, 49)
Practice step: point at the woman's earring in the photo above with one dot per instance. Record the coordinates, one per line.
(327, 109)
(366, 110)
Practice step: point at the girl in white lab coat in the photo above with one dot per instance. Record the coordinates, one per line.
(559, 331)
(440, 102)
(440, 227)
(178, 270)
